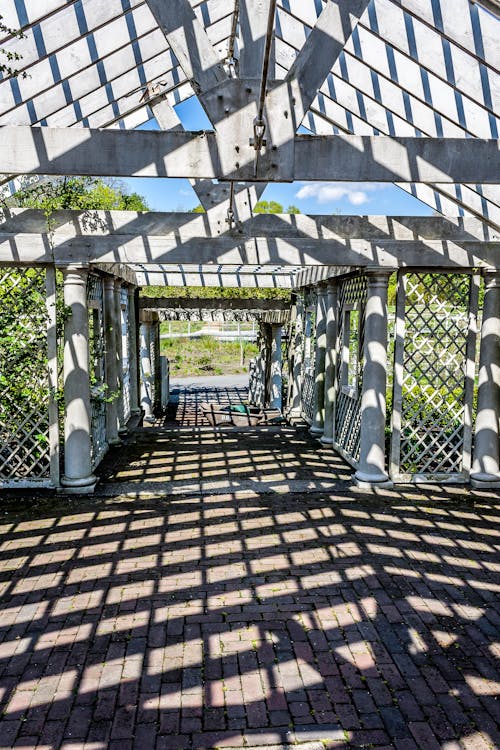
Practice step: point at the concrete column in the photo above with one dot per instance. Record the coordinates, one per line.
(486, 465)
(156, 364)
(78, 477)
(111, 324)
(122, 428)
(298, 359)
(330, 360)
(371, 467)
(146, 369)
(133, 353)
(276, 378)
(319, 363)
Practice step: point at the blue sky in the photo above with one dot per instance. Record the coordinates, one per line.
(312, 198)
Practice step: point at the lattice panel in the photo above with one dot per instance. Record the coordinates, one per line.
(95, 302)
(309, 355)
(308, 395)
(256, 385)
(348, 379)
(433, 393)
(125, 326)
(24, 383)
(153, 354)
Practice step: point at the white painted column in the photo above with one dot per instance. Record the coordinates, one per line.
(319, 363)
(122, 428)
(133, 353)
(157, 364)
(486, 466)
(298, 360)
(330, 360)
(111, 325)
(276, 375)
(146, 369)
(78, 477)
(371, 467)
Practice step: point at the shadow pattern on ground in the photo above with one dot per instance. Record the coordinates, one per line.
(204, 621)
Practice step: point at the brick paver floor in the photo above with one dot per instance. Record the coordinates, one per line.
(183, 406)
(243, 619)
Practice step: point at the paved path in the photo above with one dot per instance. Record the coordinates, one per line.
(214, 381)
(201, 622)
(186, 396)
(236, 618)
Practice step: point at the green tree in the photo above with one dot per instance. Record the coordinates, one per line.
(261, 207)
(268, 207)
(207, 292)
(80, 193)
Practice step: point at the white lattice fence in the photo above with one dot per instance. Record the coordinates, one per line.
(434, 376)
(125, 330)
(95, 303)
(28, 378)
(308, 396)
(309, 357)
(349, 373)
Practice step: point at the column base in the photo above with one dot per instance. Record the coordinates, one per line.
(315, 430)
(82, 486)
(326, 440)
(485, 481)
(114, 442)
(372, 481)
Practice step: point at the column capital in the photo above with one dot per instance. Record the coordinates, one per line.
(491, 278)
(332, 285)
(321, 287)
(109, 283)
(131, 290)
(376, 273)
(75, 269)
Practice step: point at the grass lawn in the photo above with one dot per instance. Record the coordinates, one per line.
(206, 356)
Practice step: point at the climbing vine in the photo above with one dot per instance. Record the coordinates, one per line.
(7, 56)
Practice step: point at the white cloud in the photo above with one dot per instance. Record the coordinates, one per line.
(326, 192)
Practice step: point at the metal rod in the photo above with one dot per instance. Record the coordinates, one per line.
(232, 36)
(267, 55)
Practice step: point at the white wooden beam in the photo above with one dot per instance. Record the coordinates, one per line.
(80, 151)
(190, 44)
(382, 159)
(321, 50)
(26, 249)
(186, 226)
(253, 26)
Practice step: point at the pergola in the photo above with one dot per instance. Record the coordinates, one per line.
(378, 91)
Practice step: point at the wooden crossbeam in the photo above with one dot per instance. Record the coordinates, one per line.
(183, 227)
(27, 249)
(136, 153)
(213, 303)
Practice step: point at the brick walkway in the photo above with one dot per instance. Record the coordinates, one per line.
(199, 622)
(183, 406)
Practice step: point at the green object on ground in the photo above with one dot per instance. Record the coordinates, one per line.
(240, 408)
